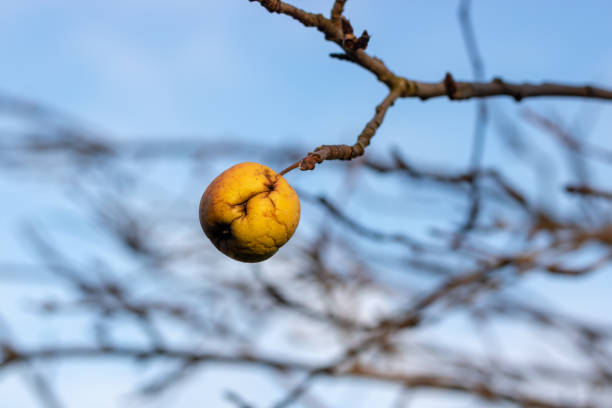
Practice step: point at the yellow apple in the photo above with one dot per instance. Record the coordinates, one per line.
(249, 212)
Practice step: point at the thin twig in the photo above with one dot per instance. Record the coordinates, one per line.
(362, 230)
(469, 38)
(43, 390)
(337, 10)
(297, 391)
(589, 191)
(346, 152)
(237, 400)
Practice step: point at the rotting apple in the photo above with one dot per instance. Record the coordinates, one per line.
(249, 211)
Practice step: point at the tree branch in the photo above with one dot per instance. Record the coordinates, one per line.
(346, 152)
(441, 382)
(479, 389)
(336, 12)
(588, 191)
(469, 38)
(354, 51)
(455, 90)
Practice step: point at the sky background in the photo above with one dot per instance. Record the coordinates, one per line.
(229, 70)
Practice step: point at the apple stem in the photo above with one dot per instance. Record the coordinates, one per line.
(288, 169)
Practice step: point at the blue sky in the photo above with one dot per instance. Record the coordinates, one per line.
(219, 69)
